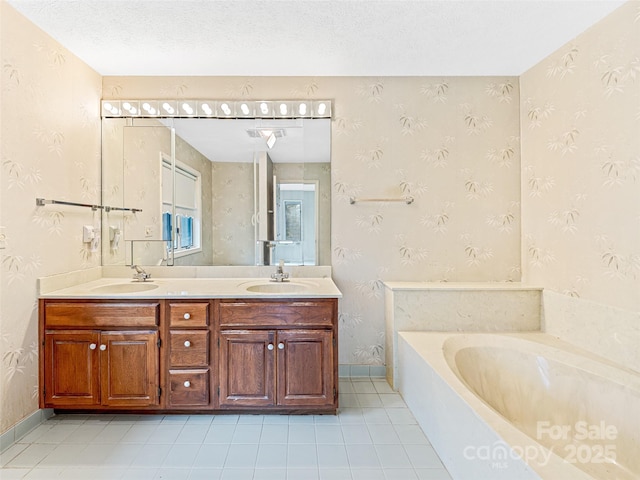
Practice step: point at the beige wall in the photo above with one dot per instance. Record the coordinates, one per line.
(580, 120)
(580, 115)
(232, 207)
(50, 148)
(452, 143)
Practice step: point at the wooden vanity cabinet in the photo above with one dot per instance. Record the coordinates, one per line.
(189, 360)
(189, 355)
(99, 354)
(278, 354)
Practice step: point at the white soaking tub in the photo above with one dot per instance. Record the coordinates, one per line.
(509, 406)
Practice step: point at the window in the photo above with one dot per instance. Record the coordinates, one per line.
(188, 215)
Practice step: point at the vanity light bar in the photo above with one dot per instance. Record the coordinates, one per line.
(216, 108)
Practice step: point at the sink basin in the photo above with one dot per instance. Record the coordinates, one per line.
(133, 287)
(284, 287)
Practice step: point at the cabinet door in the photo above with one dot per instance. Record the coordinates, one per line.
(305, 368)
(129, 368)
(71, 369)
(247, 366)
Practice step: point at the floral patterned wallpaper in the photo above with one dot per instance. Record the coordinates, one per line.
(452, 143)
(233, 205)
(50, 148)
(580, 120)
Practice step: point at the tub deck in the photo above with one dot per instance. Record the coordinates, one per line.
(472, 438)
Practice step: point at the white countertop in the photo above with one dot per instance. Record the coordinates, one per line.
(107, 288)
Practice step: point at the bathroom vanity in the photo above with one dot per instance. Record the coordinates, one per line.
(207, 345)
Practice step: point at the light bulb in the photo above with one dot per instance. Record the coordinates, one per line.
(322, 108)
(264, 108)
(283, 108)
(244, 108)
(107, 106)
(225, 108)
(126, 105)
(302, 109)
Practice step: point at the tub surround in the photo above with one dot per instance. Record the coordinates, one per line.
(450, 306)
(613, 333)
(439, 373)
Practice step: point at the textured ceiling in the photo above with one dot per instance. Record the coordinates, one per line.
(315, 38)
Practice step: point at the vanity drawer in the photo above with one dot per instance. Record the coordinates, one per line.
(189, 387)
(87, 314)
(275, 314)
(189, 348)
(194, 314)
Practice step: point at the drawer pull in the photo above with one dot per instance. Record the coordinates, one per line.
(270, 346)
(187, 316)
(92, 346)
(281, 346)
(187, 384)
(103, 347)
(187, 343)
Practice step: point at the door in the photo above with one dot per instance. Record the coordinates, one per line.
(72, 369)
(129, 368)
(305, 368)
(247, 366)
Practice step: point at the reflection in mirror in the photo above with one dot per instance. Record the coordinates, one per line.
(210, 167)
(296, 223)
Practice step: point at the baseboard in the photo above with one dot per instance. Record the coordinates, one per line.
(23, 427)
(360, 371)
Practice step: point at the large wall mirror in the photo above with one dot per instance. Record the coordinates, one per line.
(217, 191)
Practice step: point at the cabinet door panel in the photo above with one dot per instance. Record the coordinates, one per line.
(129, 368)
(247, 365)
(71, 368)
(305, 367)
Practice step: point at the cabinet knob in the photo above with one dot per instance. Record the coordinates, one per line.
(187, 384)
(103, 347)
(187, 316)
(281, 346)
(270, 346)
(92, 346)
(187, 343)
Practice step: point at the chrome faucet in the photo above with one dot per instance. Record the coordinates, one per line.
(140, 274)
(280, 276)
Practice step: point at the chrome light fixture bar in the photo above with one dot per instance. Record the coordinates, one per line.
(216, 108)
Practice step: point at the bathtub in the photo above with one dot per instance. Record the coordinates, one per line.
(512, 406)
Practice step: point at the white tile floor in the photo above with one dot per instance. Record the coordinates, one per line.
(373, 437)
